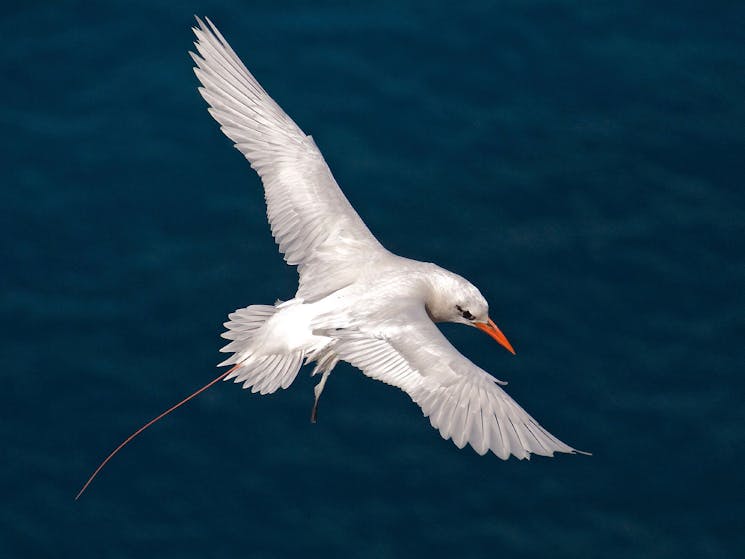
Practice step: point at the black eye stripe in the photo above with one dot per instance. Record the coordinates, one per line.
(466, 314)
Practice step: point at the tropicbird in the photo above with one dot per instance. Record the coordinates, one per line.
(356, 301)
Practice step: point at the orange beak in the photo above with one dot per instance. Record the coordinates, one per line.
(491, 329)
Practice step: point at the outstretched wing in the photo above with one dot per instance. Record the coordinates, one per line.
(312, 221)
(461, 400)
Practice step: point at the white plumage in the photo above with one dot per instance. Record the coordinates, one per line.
(356, 301)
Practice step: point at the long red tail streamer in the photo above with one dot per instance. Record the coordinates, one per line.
(148, 424)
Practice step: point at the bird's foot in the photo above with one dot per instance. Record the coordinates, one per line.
(317, 391)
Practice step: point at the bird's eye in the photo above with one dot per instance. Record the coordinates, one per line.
(465, 314)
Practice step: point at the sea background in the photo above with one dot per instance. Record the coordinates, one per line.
(580, 162)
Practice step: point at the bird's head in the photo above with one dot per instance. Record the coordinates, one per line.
(455, 299)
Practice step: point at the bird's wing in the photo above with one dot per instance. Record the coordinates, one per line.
(313, 223)
(463, 401)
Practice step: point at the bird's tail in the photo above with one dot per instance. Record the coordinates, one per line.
(260, 372)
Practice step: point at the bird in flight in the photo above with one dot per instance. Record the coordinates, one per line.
(356, 301)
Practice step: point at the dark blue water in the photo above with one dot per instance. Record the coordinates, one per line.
(580, 162)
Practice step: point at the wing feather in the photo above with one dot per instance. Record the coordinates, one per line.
(461, 400)
(313, 223)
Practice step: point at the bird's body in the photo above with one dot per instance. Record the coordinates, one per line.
(381, 302)
(356, 301)
(383, 288)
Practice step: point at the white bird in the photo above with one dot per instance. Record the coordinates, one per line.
(356, 301)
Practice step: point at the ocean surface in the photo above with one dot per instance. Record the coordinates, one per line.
(582, 163)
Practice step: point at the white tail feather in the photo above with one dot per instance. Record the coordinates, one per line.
(262, 373)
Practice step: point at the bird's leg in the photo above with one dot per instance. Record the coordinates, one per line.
(317, 391)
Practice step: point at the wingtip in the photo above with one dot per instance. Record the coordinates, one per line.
(213, 27)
